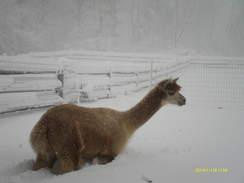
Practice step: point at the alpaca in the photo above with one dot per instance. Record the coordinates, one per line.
(68, 136)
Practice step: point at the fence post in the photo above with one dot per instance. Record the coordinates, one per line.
(77, 87)
(151, 73)
(60, 76)
(110, 75)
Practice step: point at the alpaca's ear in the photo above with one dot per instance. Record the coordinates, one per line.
(163, 85)
(175, 80)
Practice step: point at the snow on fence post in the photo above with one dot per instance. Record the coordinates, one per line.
(60, 77)
(78, 87)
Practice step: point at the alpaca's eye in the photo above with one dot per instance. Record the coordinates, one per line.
(171, 93)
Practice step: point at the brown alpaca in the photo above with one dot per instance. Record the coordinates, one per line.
(67, 136)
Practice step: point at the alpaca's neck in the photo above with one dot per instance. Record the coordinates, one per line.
(144, 110)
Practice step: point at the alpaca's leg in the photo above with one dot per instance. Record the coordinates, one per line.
(104, 159)
(43, 161)
(67, 143)
(66, 163)
(51, 160)
(80, 164)
(63, 165)
(40, 162)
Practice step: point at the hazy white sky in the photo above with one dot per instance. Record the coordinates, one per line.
(210, 27)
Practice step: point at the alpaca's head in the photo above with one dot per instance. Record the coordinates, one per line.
(171, 92)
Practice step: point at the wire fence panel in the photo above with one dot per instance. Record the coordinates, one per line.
(215, 83)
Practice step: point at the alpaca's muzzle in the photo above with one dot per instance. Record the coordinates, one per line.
(182, 100)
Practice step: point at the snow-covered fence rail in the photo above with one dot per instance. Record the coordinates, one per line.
(33, 81)
(27, 83)
(103, 79)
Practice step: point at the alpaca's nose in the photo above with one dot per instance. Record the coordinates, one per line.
(182, 101)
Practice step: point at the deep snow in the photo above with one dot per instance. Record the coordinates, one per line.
(168, 148)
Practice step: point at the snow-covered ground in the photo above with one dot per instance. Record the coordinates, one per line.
(168, 148)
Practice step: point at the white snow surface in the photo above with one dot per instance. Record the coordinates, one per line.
(167, 149)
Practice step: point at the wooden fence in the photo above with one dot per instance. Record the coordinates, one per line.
(39, 80)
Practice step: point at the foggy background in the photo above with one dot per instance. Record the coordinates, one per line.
(206, 27)
(110, 53)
